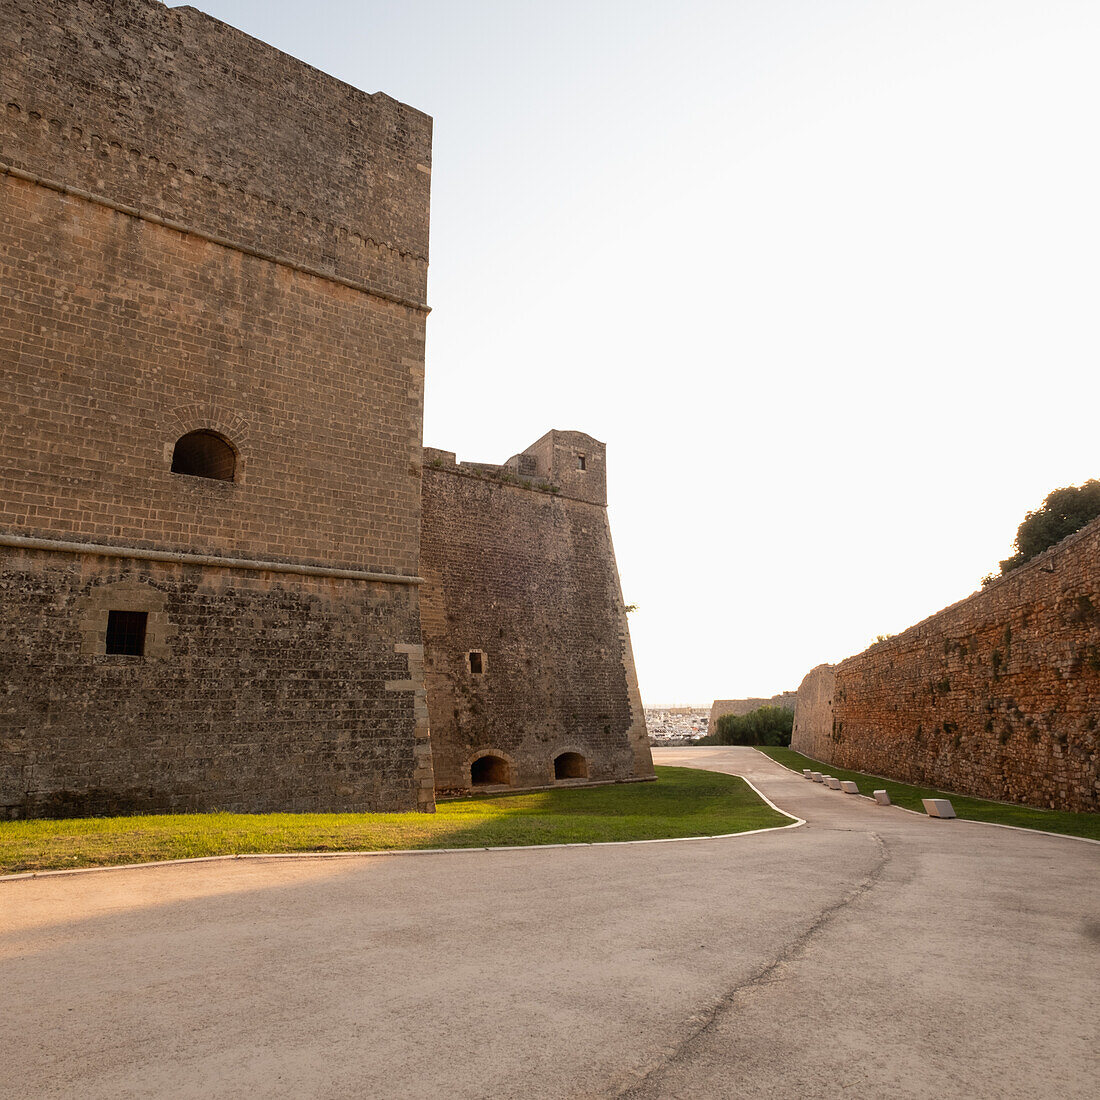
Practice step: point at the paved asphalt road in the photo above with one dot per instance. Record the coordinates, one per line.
(872, 953)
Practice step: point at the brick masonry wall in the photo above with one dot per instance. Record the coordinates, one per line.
(257, 692)
(119, 334)
(176, 113)
(996, 696)
(528, 578)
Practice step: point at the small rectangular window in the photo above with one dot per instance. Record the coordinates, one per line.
(475, 662)
(580, 463)
(126, 632)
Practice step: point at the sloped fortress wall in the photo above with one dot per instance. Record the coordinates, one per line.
(527, 652)
(813, 713)
(201, 234)
(996, 696)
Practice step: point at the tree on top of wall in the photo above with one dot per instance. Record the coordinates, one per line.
(1063, 512)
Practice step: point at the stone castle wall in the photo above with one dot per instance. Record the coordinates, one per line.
(256, 693)
(813, 712)
(183, 117)
(526, 578)
(996, 696)
(200, 233)
(119, 335)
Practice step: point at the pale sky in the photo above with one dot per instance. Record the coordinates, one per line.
(823, 274)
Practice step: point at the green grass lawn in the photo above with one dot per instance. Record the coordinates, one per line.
(683, 802)
(974, 809)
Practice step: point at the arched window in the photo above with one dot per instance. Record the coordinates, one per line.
(570, 765)
(204, 454)
(488, 771)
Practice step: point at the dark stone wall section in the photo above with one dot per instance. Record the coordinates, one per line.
(270, 697)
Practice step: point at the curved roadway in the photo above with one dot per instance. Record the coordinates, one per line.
(871, 952)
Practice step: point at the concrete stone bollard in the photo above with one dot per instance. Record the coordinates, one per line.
(882, 798)
(834, 784)
(938, 807)
(848, 787)
(816, 776)
(807, 773)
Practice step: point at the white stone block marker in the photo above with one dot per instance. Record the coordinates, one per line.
(807, 773)
(882, 798)
(816, 776)
(938, 807)
(834, 784)
(848, 787)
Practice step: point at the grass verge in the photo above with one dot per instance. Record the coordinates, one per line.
(683, 802)
(974, 809)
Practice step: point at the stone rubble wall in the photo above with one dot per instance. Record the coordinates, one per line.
(996, 696)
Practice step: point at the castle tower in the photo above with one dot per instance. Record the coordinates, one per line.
(213, 262)
(528, 663)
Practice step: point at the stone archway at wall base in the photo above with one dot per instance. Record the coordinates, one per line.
(570, 765)
(490, 768)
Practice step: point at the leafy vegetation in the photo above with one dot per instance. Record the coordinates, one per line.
(763, 726)
(683, 802)
(1063, 512)
(974, 809)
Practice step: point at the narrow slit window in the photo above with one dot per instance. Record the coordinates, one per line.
(581, 464)
(126, 632)
(477, 663)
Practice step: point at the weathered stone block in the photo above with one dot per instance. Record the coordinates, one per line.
(882, 798)
(848, 787)
(938, 807)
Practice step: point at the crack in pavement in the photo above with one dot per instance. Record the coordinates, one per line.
(643, 1086)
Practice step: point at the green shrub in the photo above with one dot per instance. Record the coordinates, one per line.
(1062, 513)
(764, 726)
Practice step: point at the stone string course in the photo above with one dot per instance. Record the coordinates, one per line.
(996, 696)
(174, 112)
